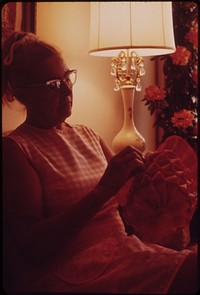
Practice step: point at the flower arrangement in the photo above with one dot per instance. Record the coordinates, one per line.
(175, 105)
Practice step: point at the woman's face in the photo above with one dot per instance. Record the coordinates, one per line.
(46, 106)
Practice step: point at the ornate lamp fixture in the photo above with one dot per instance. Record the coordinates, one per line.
(126, 31)
(127, 70)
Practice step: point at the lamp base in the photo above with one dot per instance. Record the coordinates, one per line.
(128, 137)
(129, 134)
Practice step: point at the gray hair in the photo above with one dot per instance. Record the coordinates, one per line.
(21, 51)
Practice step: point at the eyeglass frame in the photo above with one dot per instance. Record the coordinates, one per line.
(57, 81)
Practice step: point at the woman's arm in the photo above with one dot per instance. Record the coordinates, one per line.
(38, 237)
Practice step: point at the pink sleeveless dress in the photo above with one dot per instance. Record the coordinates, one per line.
(102, 258)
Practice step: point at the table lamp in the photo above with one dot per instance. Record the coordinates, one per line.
(126, 31)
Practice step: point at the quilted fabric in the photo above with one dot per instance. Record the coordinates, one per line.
(160, 202)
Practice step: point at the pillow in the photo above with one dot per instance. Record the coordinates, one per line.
(160, 201)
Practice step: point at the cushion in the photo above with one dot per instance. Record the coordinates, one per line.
(160, 201)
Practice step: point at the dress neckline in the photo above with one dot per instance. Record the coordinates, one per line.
(64, 127)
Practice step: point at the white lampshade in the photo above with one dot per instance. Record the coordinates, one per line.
(145, 27)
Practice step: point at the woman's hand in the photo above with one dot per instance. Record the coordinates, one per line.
(121, 167)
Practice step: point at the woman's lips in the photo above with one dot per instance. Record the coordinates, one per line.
(69, 99)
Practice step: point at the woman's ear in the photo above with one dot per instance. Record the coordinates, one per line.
(19, 94)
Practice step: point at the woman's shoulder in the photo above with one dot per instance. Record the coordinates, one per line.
(85, 129)
(10, 149)
(87, 134)
(7, 141)
(13, 132)
(80, 126)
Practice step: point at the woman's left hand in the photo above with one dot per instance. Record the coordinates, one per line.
(121, 167)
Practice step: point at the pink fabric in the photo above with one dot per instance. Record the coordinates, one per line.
(102, 257)
(164, 195)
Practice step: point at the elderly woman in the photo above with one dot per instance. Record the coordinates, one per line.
(62, 229)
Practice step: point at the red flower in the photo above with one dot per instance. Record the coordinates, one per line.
(153, 93)
(181, 56)
(183, 119)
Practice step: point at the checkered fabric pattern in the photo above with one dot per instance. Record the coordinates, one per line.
(102, 257)
(69, 161)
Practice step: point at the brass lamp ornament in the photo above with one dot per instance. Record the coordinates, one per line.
(127, 70)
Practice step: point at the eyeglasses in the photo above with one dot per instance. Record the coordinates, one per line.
(69, 79)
